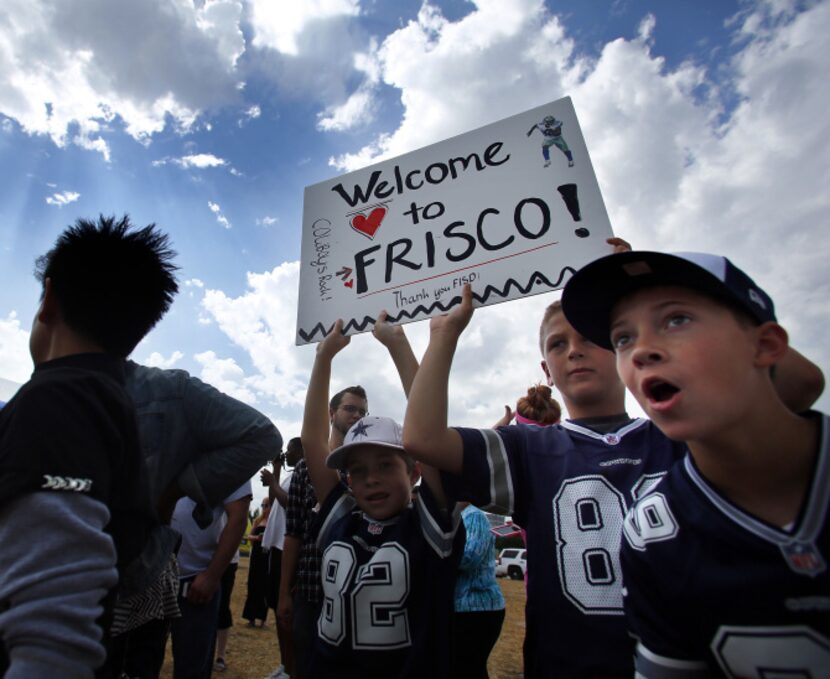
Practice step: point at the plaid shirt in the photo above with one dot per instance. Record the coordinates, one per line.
(299, 515)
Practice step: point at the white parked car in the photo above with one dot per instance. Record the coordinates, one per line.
(512, 562)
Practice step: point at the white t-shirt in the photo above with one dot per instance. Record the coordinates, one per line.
(235, 558)
(198, 546)
(274, 535)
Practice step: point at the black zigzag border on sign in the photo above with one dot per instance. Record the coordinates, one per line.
(535, 277)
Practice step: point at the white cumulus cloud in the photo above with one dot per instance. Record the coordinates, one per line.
(260, 322)
(63, 67)
(445, 71)
(252, 113)
(15, 362)
(62, 198)
(157, 360)
(220, 217)
(199, 161)
(226, 376)
(280, 25)
(311, 49)
(356, 110)
(359, 107)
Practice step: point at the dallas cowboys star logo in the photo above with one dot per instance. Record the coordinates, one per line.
(360, 429)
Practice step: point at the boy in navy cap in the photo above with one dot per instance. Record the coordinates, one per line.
(725, 562)
(568, 485)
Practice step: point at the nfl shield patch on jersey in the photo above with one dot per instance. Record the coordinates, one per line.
(804, 558)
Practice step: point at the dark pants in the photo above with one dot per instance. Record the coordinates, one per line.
(225, 620)
(194, 637)
(474, 635)
(256, 603)
(304, 629)
(139, 653)
(272, 581)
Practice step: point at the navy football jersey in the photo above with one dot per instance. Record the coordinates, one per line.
(713, 591)
(387, 590)
(570, 488)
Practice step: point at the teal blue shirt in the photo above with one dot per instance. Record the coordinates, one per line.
(476, 588)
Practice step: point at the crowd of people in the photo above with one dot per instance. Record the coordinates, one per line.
(693, 543)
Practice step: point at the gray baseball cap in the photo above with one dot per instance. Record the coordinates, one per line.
(373, 430)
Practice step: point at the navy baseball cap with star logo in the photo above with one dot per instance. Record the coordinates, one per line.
(592, 292)
(373, 430)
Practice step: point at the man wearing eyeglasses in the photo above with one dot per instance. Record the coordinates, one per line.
(345, 408)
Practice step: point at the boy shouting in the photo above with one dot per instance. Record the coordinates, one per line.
(568, 485)
(725, 562)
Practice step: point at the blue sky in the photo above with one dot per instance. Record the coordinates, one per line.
(706, 123)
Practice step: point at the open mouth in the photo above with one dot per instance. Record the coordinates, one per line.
(659, 391)
(377, 497)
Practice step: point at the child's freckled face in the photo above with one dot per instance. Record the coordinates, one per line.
(380, 481)
(686, 359)
(577, 367)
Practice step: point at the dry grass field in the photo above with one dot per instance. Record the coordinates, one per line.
(252, 652)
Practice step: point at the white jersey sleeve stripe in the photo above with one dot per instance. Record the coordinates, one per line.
(342, 507)
(650, 665)
(819, 496)
(501, 482)
(818, 499)
(440, 541)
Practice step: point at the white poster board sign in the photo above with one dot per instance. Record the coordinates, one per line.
(512, 207)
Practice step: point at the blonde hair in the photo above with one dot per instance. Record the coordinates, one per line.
(550, 310)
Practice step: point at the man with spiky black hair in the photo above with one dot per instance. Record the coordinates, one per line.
(111, 284)
(73, 507)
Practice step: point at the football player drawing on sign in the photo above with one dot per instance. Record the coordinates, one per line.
(568, 485)
(551, 130)
(389, 554)
(725, 563)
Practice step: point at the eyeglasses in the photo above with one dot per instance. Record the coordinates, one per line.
(355, 409)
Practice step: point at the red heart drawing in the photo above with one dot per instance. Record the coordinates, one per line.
(348, 284)
(368, 226)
